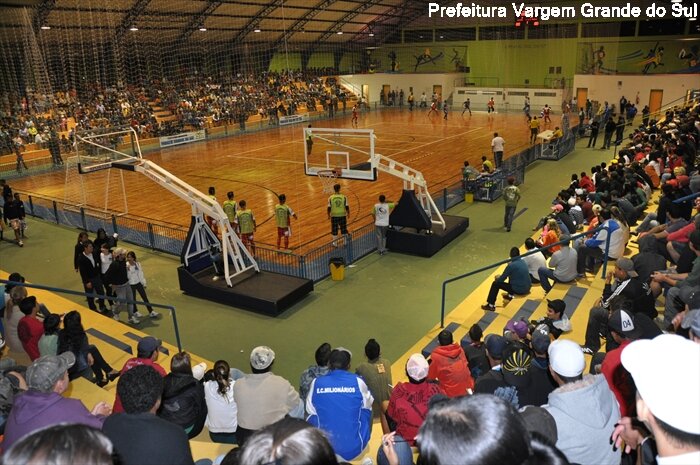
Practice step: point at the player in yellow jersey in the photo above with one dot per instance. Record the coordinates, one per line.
(246, 225)
(283, 214)
(230, 209)
(338, 211)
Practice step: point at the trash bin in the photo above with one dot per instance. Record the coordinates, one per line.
(337, 266)
(469, 197)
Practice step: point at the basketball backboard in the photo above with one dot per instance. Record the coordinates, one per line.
(349, 153)
(97, 149)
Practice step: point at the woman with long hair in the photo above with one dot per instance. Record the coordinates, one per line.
(137, 281)
(222, 412)
(183, 401)
(89, 362)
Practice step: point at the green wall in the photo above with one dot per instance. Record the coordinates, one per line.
(280, 62)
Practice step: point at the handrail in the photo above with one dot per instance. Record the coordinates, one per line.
(687, 197)
(106, 297)
(530, 252)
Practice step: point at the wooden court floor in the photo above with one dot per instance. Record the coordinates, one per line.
(261, 165)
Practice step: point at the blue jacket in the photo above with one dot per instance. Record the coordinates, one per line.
(519, 276)
(340, 404)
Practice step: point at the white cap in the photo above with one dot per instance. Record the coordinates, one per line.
(417, 367)
(665, 371)
(566, 358)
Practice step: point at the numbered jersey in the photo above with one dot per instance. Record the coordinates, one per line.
(282, 214)
(246, 221)
(337, 204)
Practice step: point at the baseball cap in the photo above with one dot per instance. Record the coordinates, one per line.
(540, 339)
(262, 357)
(495, 345)
(558, 207)
(417, 367)
(148, 344)
(43, 373)
(627, 266)
(566, 358)
(518, 327)
(664, 365)
(557, 305)
(623, 324)
(692, 321)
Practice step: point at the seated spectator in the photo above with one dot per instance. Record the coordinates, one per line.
(516, 331)
(648, 260)
(376, 373)
(495, 381)
(139, 436)
(550, 235)
(594, 248)
(315, 371)
(534, 261)
(448, 365)
(262, 397)
(289, 440)
(473, 430)
(476, 352)
(341, 405)
(563, 265)
(222, 412)
(48, 343)
(583, 407)
(682, 284)
(12, 316)
(147, 351)
(659, 367)
(64, 443)
(556, 320)
(44, 405)
(30, 328)
(89, 362)
(542, 381)
(514, 280)
(183, 401)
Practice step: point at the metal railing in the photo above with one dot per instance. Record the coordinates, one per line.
(529, 252)
(172, 310)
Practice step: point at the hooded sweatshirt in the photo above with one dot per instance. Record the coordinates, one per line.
(585, 412)
(449, 366)
(34, 410)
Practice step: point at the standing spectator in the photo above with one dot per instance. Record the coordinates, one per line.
(381, 212)
(283, 218)
(137, 281)
(593, 138)
(511, 195)
(90, 275)
(263, 397)
(341, 405)
(338, 211)
(222, 412)
(13, 212)
(449, 366)
(497, 144)
(376, 373)
(117, 276)
(182, 402)
(321, 355)
(246, 225)
(78, 249)
(43, 404)
(138, 435)
(610, 127)
(584, 408)
(103, 238)
(514, 280)
(30, 328)
(563, 265)
(408, 407)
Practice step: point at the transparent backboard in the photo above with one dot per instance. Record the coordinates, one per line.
(98, 149)
(347, 152)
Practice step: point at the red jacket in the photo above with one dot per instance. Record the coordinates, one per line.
(449, 366)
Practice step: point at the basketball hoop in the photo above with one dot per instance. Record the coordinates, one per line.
(328, 178)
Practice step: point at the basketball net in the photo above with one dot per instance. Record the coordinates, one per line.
(328, 178)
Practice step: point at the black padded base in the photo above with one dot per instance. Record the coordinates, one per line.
(263, 292)
(409, 241)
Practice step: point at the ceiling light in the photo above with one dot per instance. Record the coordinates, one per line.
(692, 19)
(257, 29)
(45, 28)
(203, 29)
(371, 34)
(133, 28)
(340, 33)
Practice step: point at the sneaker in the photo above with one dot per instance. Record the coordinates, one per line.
(587, 350)
(134, 320)
(20, 243)
(489, 307)
(507, 296)
(138, 315)
(153, 314)
(101, 382)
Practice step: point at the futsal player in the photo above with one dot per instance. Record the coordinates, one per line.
(433, 108)
(246, 225)
(354, 116)
(283, 215)
(338, 211)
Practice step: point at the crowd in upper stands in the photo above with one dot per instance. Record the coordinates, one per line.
(520, 396)
(195, 101)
